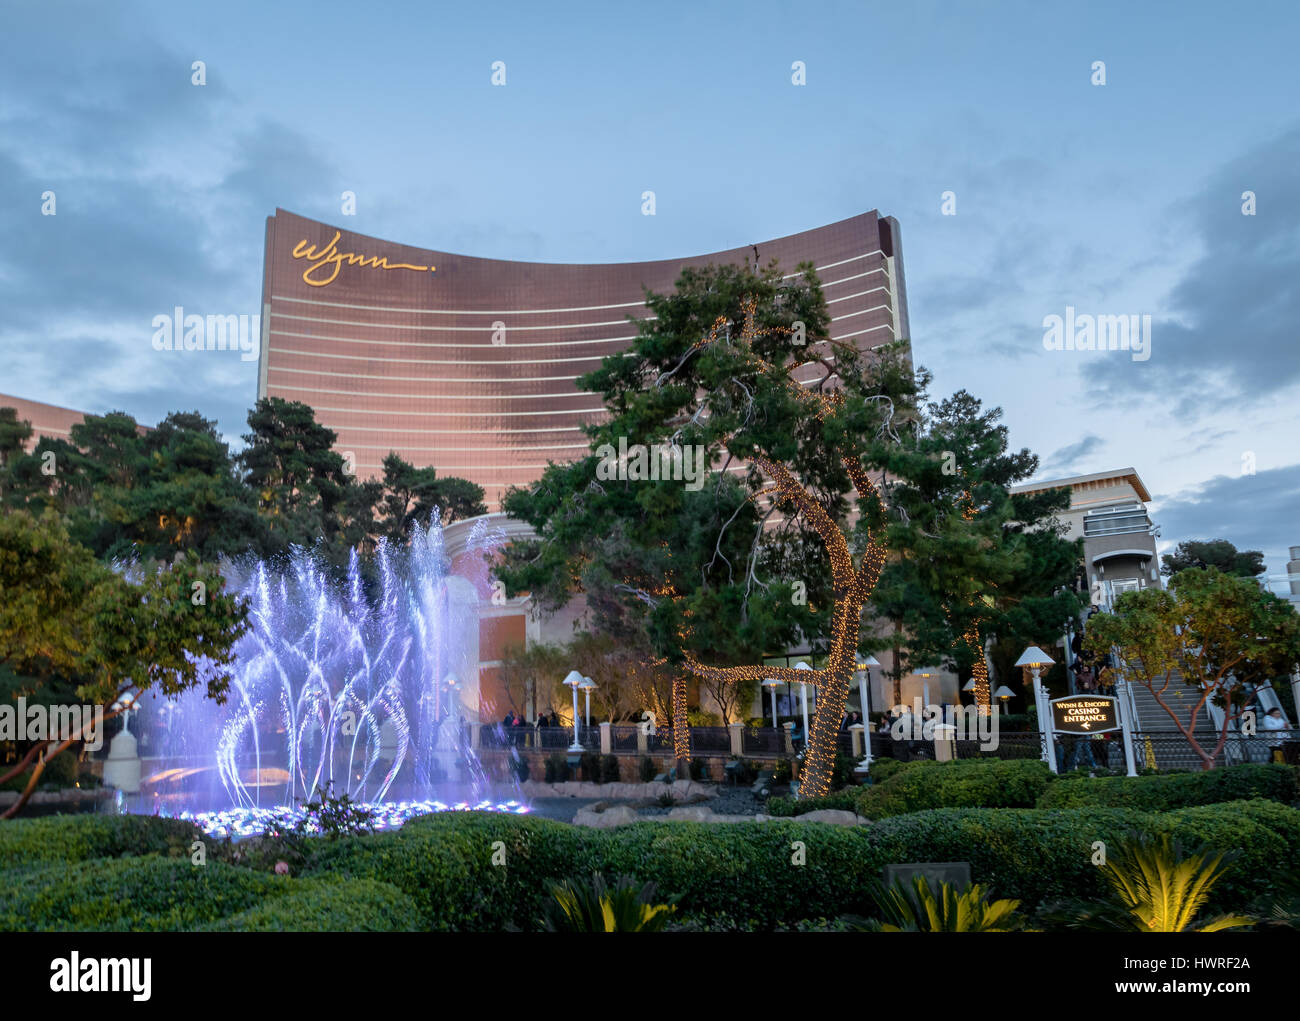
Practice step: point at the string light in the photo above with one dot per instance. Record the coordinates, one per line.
(971, 636)
(851, 584)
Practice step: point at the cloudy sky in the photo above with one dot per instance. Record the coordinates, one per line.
(1122, 198)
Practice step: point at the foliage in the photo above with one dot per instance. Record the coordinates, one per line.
(784, 771)
(845, 800)
(578, 906)
(326, 815)
(688, 571)
(609, 769)
(589, 767)
(725, 876)
(129, 492)
(1220, 633)
(882, 769)
(1154, 887)
(746, 771)
(967, 553)
(699, 769)
(1217, 553)
(1163, 792)
(844, 774)
(137, 894)
(649, 769)
(72, 838)
(557, 768)
(328, 905)
(983, 783)
(918, 907)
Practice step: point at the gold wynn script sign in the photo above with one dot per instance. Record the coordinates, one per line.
(323, 266)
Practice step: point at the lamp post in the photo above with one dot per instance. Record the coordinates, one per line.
(1035, 658)
(1002, 694)
(864, 679)
(588, 686)
(770, 684)
(574, 681)
(803, 685)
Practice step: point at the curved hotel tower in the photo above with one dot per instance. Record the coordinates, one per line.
(469, 364)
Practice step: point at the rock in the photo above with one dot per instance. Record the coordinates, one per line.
(693, 813)
(618, 815)
(835, 816)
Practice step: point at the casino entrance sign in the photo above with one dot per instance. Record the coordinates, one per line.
(1084, 714)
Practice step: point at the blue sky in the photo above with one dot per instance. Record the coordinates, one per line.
(1123, 198)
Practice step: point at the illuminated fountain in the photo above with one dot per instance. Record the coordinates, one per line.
(334, 690)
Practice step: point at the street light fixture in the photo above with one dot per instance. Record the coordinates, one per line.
(771, 684)
(864, 680)
(803, 685)
(574, 681)
(588, 686)
(1035, 658)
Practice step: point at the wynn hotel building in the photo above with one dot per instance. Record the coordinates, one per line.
(469, 365)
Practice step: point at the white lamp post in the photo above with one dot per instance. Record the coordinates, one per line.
(574, 681)
(771, 684)
(1002, 694)
(803, 685)
(588, 686)
(1035, 658)
(864, 680)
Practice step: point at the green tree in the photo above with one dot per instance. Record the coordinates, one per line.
(411, 494)
(1217, 553)
(766, 551)
(64, 615)
(1221, 633)
(968, 559)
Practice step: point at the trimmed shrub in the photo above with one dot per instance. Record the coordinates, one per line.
(557, 768)
(609, 769)
(648, 770)
(843, 774)
(699, 769)
(354, 905)
(75, 838)
(974, 783)
(136, 894)
(1265, 834)
(883, 769)
(443, 862)
(1162, 792)
(846, 799)
(725, 875)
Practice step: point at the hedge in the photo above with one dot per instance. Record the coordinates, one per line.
(76, 838)
(138, 894)
(357, 905)
(747, 873)
(973, 783)
(486, 872)
(846, 800)
(444, 863)
(1164, 792)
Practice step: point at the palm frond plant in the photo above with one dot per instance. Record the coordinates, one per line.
(919, 907)
(1155, 886)
(578, 906)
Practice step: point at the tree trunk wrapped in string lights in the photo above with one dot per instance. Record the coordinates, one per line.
(852, 585)
(735, 380)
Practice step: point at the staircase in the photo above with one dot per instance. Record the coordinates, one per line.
(1166, 748)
